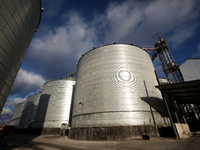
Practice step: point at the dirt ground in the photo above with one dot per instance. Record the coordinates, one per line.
(57, 142)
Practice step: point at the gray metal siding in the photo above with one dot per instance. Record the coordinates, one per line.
(190, 69)
(116, 86)
(18, 21)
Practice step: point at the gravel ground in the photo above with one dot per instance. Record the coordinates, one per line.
(56, 142)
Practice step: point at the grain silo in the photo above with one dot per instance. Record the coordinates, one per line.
(18, 23)
(29, 111)
(17, 114)
(116, 87)
(54, 106)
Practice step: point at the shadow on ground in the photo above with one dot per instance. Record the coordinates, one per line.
(10, 140)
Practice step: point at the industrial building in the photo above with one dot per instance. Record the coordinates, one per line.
(19, 21)
(191, 69)
(181, 97)
(117, 95)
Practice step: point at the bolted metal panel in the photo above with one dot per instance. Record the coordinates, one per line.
(1, 85)
(3, 23)
(18, 22)
(5, 60)
(7, 78)
(9, 4)
(55, 103)
(116, 86)
(17, 114)
(11, 53)
(29, 111)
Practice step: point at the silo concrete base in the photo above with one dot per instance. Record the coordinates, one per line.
(111, 133)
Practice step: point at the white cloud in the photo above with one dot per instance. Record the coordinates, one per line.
(56, 52)
(60, 48)
(26, 82)
(29, 79)
(7, 111)
(18, 100)
(182, 33)
(123, 18)
(133, 21)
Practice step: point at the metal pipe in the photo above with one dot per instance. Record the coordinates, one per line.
(172, 123)
(170, 117)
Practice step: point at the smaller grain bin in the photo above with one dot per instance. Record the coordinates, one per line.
(29, 111)
(54, 106)
(17, 114)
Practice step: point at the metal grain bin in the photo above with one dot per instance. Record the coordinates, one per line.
(19, 20)
(55, 103)
(116, 86)
(17, 114)
(29, 111)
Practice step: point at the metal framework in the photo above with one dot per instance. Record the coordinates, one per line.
(186, 99)
(168, 64)
(71, 74)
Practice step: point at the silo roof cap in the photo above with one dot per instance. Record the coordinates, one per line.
(94, 48)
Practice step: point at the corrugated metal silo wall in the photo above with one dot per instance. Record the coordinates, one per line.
(190, 69)
(116, 86)
(55, 103)
(29, 111)
(19, 20)
(17, 114)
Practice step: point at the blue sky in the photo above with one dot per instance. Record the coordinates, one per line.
(70, 28)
